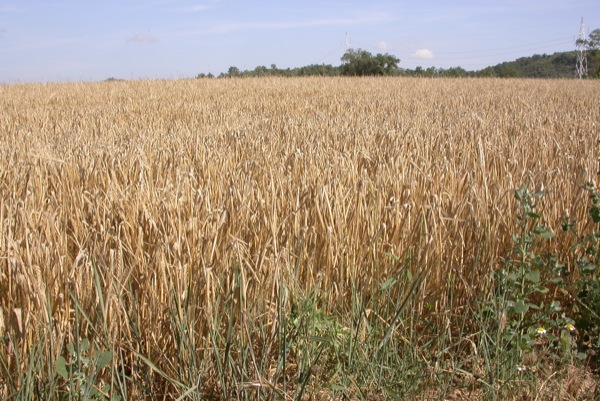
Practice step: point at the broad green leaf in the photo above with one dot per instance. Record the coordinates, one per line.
(533, 276)
(521, 307)
(588, 267)
(61, 367)
(84, 345)
(104, 359)
(594, 213)
(547, 235)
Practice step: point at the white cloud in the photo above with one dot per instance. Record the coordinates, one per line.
(197, 9)
(11, 9)
(383, 46)
(423, 53)
(142, 38)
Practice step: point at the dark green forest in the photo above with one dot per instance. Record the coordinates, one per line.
(557, 65)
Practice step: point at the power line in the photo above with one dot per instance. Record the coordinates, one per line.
(493, 51)
(496, 54)
(528, 45)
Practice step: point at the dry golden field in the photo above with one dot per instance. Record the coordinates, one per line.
(176, 223)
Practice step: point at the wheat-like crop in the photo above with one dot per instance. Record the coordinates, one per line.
(150, 203)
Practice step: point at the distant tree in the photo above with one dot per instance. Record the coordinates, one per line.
(564, 59)
(486, 72)
(233, 72)
(360, 62)
(260, 71)
(507, 70)
(318, 70)
(594, 45)
(431, 72)
(594, 39)
(455, 72)
(387, 63)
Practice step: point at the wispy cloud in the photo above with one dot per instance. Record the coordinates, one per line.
(143, 38)
(196, 9)
(424, 54)
(50, 43)
(11, 9)
(185, 6)
(283, 25)
(383, 46)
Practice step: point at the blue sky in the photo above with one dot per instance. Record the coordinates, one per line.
(90, 40)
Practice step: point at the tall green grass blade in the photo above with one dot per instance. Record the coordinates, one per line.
(407, 298)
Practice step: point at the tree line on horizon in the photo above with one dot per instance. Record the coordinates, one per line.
(359, 62)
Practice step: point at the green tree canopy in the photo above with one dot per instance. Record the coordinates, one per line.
(593, 44)
(594, 39)
(233, 72)
(360, 62)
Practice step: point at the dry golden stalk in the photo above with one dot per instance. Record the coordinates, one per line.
(165, 189)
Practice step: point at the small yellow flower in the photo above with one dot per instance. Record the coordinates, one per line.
(541, 330)
(570, 327)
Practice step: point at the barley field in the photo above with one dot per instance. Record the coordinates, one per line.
(314, 238)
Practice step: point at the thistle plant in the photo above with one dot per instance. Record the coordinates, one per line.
(585, 291)
(528, 318)
(80, 371)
